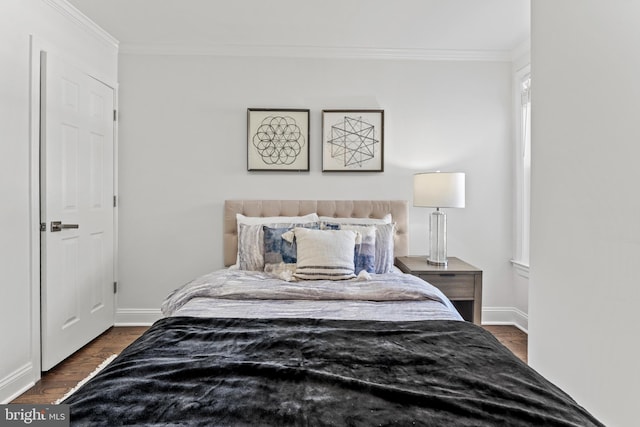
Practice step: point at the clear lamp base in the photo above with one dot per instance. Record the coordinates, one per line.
(437, 238)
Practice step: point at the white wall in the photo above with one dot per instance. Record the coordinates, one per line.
(19, 309)
(183, 152)
(585, 283)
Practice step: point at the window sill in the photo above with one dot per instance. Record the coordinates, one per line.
(521, 268)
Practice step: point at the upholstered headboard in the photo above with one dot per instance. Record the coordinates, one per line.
(335, 208)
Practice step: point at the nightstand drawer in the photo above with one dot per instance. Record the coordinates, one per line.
(454, 286)
(459, 281)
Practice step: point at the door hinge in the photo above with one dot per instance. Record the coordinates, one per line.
(115, 201)
(43, 226)
(115, 115)
(115, 287)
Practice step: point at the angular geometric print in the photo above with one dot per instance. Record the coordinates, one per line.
(353, 141)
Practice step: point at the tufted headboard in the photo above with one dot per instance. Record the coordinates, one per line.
(335, 208)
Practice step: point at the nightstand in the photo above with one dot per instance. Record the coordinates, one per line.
(459, 281)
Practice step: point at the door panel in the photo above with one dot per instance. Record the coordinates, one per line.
(68, 301)
(69, 168)
(77, 176)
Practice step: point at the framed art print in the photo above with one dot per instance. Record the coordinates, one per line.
(353, 140)
(277, 139)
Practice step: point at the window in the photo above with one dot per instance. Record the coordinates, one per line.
(523, 169)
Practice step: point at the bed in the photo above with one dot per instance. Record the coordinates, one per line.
(311, 324)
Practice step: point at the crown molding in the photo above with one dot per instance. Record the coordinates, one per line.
(315, 52)
(67, 10)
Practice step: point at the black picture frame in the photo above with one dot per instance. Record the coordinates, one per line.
(278, 139)
(353, 140)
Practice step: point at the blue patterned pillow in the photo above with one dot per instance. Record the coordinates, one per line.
(276, 249)
(364, 254)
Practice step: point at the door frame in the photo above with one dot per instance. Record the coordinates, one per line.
(38, 44)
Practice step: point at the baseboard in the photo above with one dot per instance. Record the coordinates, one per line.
(505, 316)
(137, 316)
(17, 382)
(490, 316)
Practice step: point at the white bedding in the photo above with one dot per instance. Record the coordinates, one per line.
(251, 294)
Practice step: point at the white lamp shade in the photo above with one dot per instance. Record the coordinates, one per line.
(439, 190)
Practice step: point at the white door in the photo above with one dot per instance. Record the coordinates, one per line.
(77, 213)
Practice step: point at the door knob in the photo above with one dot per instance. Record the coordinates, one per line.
(59, 226)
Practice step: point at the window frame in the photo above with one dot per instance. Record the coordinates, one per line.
(522, 160)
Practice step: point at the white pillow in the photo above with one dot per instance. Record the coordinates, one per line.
(357, 221)
(251, 237)
(265, 220)
(325, 254)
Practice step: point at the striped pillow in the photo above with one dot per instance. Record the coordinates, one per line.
(325, 254)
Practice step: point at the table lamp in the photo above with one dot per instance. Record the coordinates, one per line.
(438, 190)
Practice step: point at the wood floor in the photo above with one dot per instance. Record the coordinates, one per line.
(63, 377)
(55, 383)
(512, 338)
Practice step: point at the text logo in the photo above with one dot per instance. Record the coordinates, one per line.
(34, 415)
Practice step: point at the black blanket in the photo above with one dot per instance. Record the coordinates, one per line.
(258, 372)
